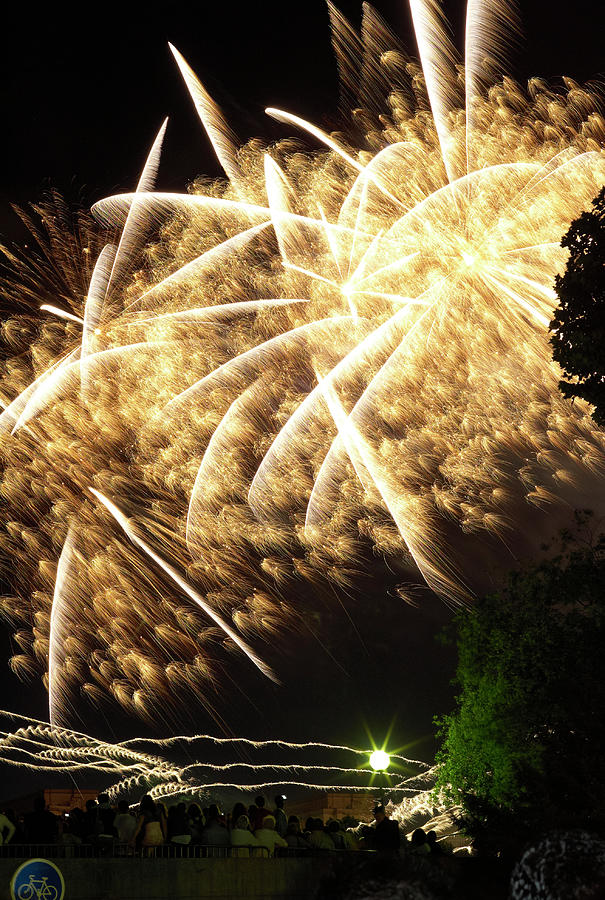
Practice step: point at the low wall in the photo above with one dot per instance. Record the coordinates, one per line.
(183, 879)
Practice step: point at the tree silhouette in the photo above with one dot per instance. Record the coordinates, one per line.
(578, 327)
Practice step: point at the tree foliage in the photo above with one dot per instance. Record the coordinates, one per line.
(578, 327)
(523, 750)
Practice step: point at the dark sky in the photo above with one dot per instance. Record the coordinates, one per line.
(82, 97)
(84, 90)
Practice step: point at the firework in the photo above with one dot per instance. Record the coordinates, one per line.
(156, 765)
(326, 358)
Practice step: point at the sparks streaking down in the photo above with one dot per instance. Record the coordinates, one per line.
(330, 355)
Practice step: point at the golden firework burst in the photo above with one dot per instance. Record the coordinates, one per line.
(327, 356)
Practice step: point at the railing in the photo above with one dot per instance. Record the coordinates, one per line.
(115, 850)
(110, 849)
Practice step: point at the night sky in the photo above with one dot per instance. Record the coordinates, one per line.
(82, 100)
(84, 91)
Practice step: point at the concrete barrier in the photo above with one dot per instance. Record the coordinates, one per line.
(183, 879)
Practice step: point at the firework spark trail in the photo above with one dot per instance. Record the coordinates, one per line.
(212, 257)
(259, 356)
(287, 435)
(127, 528)
(491, 30)
(61, 313)
(437, 55)
(93, 308)
(335, 355)
(57, 627)
(263, 744)
(12, 413)
(138, 218)
(222, 138)
(42, 747)
(67, 373)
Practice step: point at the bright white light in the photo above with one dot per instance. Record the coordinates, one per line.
(379, 760)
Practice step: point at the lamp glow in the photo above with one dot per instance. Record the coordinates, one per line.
(379, 760)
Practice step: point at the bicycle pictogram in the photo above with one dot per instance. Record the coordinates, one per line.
(37, 879)
(37, 889)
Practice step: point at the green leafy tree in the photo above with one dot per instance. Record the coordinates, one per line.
(523, 750)
(578, 327)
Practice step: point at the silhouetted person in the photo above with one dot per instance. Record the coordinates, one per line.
(196, 822)
(149, 831)
(76, 822)
(7, 829)
(336, 835)
(257, 813)
(268, 837)
(348, 838)
(124, 823)
(281, 822)
(420, 845)
(179, 831)
(106, 832)
(40, 825)
(386, 833)
(19, 835)
(238, 810)
(90, 822)
(241, 836)
(215, 833)
(434, 847)
(319, 839)
(294, 837)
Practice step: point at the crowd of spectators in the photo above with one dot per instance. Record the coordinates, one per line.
(152, 825)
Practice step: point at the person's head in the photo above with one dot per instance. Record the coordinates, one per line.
(269, 823)
(181, 808)
(419, 837)
(333, 826)
(103, 801)
(123, 806)
(379, 813)
(318, 825)
(279, 801)
(309, 824)
(147, 806)
(431, 838)
(260, 801)
(40, 803)
(293, 825)
(238, 810)
(213, 812)
(243, 822)
(194, 812)
(91, 805)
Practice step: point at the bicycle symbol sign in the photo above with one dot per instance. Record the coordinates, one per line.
(37, 879)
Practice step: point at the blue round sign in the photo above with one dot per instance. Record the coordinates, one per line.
(37, 879)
